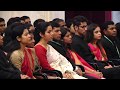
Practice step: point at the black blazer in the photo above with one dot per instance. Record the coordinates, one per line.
(110, 48)
(7, 70)
(81, 47)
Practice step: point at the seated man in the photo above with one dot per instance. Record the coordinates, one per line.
(110, 42)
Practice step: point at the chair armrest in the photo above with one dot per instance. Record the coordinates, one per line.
(111, 63)
(105, 62)
(53, 72)
(94, 65)
(81, 67)
(39, 75)
(115, 61)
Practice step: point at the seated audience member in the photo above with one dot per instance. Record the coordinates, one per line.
(57, 45)
(56, 42)
(25, 19)
(31, 29)
(7, 69)
(22, 57)
(69, 24)
(2, 25)
(118, 29)
(38, 21)
(8, 33)
(59, 21)
(80, 46)
(93, 37)
(13, 20)
(66, 37)
(45, 32)
(36, 35)
(110, 42)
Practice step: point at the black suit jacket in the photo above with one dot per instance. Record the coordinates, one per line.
(7, 70)
(82, 48)
(110, 49)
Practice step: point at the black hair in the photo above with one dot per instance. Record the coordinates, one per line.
(118, 29)
(24, 17)
(40, 28)
(104, 26)
(89, 37)
(69, 22)
(2, 19)
(36, 22)
(89, 33)
(13, 20)
(15, 44)
(63, 33)
(54, 24)
(78, 19)
(8, 34)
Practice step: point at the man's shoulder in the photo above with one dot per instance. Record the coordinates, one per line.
(53, 43)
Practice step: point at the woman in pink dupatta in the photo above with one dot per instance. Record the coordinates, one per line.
(89, 70)
(93, 37)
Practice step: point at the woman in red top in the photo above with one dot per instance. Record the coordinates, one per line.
(45, 31)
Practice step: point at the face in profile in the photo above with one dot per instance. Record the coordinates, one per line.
(67, 38)
(56, 33)
(97, 33)
(111, 31)
(25, 38)
(2, 26)
(48, 34)
(81, 29)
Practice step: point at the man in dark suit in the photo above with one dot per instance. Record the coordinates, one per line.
(110, 42)
(7, 70)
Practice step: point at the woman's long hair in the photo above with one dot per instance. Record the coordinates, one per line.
(41, 27)
(89, 37)
(14, 44)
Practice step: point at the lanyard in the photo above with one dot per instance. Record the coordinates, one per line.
(113, 45)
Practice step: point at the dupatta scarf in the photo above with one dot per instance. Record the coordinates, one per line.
(97, 52)
(28, 63)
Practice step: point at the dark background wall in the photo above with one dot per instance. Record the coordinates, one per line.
(95, 16)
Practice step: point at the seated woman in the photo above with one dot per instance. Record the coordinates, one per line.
(42, 51)
(7, 70)
(93, 37)
(31, 29)
(22, 57)
(67, 40)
